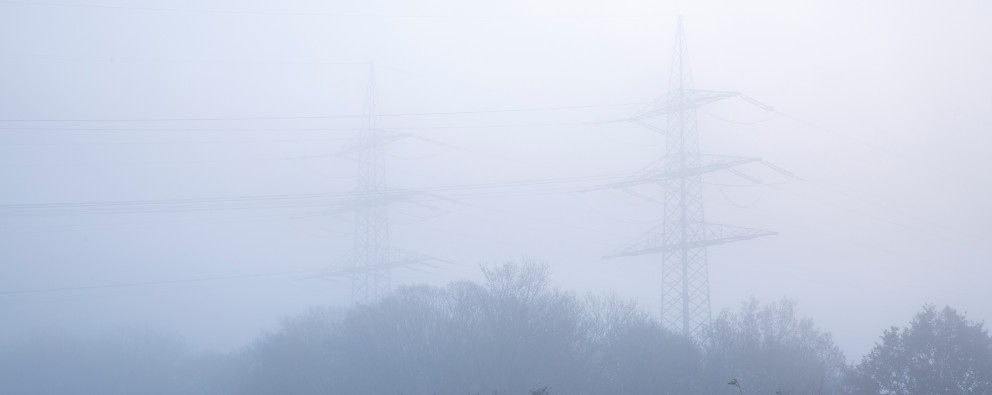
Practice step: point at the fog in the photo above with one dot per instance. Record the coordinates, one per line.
(157, 156)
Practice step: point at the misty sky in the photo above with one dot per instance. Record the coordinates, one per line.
(882, 116)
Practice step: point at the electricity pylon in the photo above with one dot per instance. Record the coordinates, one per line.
(684, 235)
(372, 258)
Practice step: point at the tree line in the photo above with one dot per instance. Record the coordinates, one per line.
(513, 333)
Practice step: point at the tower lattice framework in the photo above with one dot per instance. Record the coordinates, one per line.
(372, 258)
(371, 234)
(684, 235)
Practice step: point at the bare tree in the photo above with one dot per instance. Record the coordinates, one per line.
(771, 349)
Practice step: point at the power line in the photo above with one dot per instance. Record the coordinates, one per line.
(187, 10)
(308, 129)
(313, 13)
(357, 116)
(908, 159)
(133, 59)
(492, 189)
(871, 214)
(171, 142)
(152, 283)
(791, 220)
(888, 206)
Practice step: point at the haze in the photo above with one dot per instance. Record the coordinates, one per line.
(880, 118)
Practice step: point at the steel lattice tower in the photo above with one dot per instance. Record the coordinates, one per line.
(372, 258)
(684, 235)
(371, 237)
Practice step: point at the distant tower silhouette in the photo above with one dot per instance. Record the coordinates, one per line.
(684, 235)
(372, 258)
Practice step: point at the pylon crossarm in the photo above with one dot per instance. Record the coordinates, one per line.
(719, 233)
(369, 200)
(778, 169)
(380, 140)
(639, 243)
(657, 172)
(654, 241)
(405, 257)
(681, 101)
(382, 197)
(396, 258)
(748, 177)
(645, 124)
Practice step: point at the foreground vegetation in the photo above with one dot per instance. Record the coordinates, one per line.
(514, 334)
